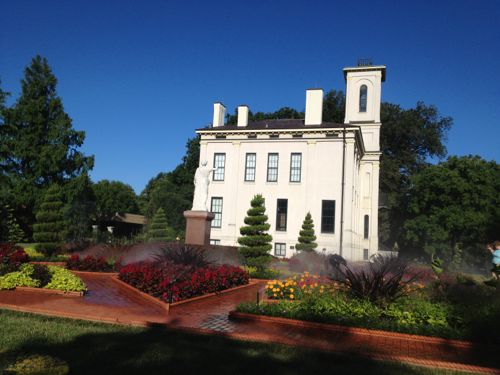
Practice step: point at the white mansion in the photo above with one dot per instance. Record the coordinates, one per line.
(330, 170)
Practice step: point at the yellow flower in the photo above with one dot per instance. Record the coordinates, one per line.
(274, 295)
(292, 296)
(291, 290)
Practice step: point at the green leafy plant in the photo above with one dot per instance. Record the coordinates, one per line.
(255, 241)
(306, 235)
(64, 280)
(19, 278)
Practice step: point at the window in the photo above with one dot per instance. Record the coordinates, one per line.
(327, 216)
(220, 164)
(365, 254)
(281, 213)
(272, 167)
(280, 249)
(295, 167)
(216, 208)
(363, 95)
(367, 227)
(214, 242)
(250, 167)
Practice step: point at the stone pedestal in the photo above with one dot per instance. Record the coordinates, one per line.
(198, 225)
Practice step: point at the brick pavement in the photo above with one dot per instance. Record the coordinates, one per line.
(108, 301)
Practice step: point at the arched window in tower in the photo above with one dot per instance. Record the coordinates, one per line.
(363, 96)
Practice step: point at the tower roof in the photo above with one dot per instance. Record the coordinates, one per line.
(365, 68)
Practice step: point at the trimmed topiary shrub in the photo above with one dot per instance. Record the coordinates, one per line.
(306, 236)
(255, 241)
(49, 227)
(159, 229)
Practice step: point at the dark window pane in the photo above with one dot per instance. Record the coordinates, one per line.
(363, 96)
(367, 226)
(281, 214)
(328, 216)
(280, 249)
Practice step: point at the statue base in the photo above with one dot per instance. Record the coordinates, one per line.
(198, 225)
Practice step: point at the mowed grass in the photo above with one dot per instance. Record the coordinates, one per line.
(96, 348)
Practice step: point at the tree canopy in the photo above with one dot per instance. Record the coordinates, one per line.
(453, 206)
(114, 197)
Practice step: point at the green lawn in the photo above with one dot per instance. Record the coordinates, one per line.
(94, 348)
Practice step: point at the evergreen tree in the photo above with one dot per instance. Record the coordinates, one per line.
(14, 232)
(49, 227)
(255, 241)
(159, 229)
(306, 235)
(39, 146)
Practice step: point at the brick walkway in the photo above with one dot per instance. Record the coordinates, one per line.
(110, 302)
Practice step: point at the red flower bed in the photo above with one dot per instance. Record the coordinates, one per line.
(172, 283)
(90, 263)
(11, 257)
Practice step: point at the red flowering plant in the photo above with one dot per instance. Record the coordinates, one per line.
(91, 263)
(174, 282)
(11, 257)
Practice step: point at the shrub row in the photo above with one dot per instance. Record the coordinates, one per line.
(172, 282)
(91, 263)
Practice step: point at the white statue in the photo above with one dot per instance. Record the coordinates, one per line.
(201, 182)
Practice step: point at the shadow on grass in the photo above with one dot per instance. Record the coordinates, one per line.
(123, 350)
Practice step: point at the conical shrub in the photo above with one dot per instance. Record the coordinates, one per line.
(159, 229)
(255, 241)
(48, 231)
(306, 235)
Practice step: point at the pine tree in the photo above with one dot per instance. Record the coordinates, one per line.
(306, 235)
(39, 146)
(159, 229)
(14, 232)
(49, 227)
(255, 242)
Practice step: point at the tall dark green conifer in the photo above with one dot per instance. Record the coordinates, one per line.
(306, 235)
(255, 241)
(49, 227)
(39, 145)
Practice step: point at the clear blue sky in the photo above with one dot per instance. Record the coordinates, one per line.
(140, 76)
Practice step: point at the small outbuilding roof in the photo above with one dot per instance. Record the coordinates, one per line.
(130, 218)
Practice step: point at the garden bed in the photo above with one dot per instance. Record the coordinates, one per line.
(166, 306)
(173, 283)
(236, 315)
